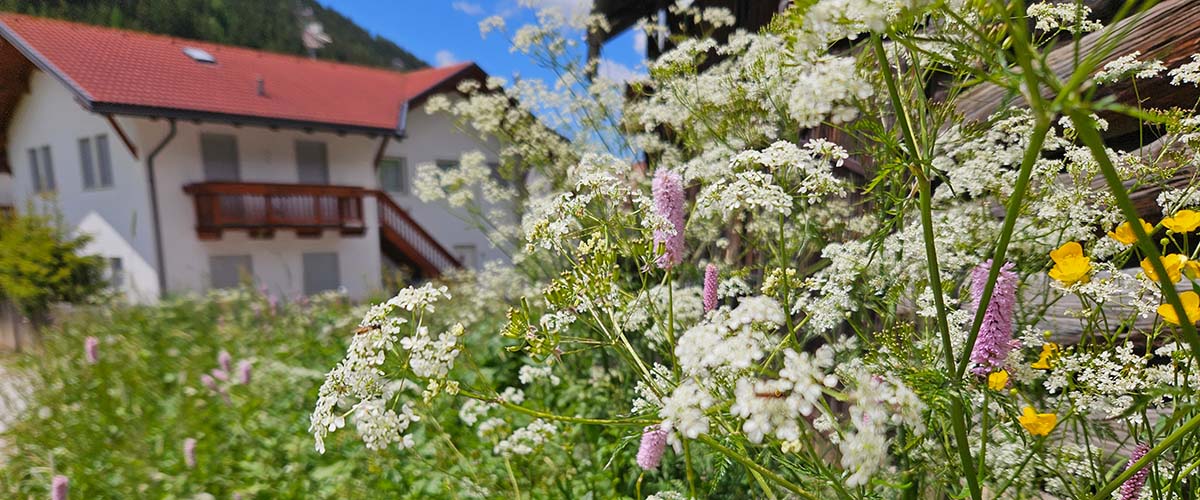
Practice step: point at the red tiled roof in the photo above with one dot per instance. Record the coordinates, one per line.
(138, 73)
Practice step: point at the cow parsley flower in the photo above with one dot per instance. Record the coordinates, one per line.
(1129, 65)
(526, 440)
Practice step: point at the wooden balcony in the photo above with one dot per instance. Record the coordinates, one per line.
(261, 208)
(310, 209)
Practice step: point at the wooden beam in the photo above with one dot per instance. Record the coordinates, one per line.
(379, 152)
(121, 133)
(1169, 31)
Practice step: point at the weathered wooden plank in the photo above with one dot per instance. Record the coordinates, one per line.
(1169, 31)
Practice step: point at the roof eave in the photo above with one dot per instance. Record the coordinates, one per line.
(236, 119)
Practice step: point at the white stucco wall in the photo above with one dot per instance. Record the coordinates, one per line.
(118, 218)
(6, 190)
(435, 137)
(265, 156)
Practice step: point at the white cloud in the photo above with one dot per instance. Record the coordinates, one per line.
(444, 58)
(639, 40)
(572, 8)
(468, 8)
(615, 71)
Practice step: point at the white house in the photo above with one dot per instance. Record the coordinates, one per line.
(194, 165)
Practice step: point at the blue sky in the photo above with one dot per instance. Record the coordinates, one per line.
(447, 31)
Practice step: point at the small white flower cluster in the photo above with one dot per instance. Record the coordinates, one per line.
(432, 357)
(810, 167)
(1129, 65)
(683, 410)
(1066, 16)
(1187, 73)
(530, 374)
(878, 401)
(359, 376)
(729, 341)
(1106, 382)
(748, 190)
(776, 406)
(526, 440)
(379, 426)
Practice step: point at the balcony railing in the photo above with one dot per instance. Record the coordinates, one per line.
(402, 234)
(263, 208)
(309, 209)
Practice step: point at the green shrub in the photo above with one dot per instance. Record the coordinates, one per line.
(41, 264)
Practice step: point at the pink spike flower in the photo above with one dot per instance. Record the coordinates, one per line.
(995, 334)
(1131, 489)
(710, 287)
(91, 350)
(244, 372)
(58, 488)
(667, 189)
(654, 442)
(189, 452)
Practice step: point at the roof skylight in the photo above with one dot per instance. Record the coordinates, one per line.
(199, 55)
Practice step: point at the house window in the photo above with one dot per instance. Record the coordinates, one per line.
(96, 162)
(42, 168)
(446, 164)
(219, 153)
(321, 272)
(116, 272)
(467, 255)
(312, 162)
(393, 176)
(227, 271)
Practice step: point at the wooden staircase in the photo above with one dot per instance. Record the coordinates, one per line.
(403, 240)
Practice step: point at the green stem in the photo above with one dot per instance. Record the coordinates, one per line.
(691, 474)
(957, 414)
(767, 473)
(1032, 151)
(552, 416)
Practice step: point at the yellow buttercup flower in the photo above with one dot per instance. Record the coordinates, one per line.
(1174, 264)
(1191, 269)
(1038, 424)
(1184, 221)
(1191, 308)
(1124, 232)
(1049, 350)
(997, 380)
(1070, 265)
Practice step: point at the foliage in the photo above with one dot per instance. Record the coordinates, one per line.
(40, 264)
(270, 25)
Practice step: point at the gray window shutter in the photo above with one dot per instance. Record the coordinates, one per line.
(321, 272)
(47, 169)
(312, 161)
(85, 161)
(220, 156)
(104, 161)
(226, 271)
(35, 170)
